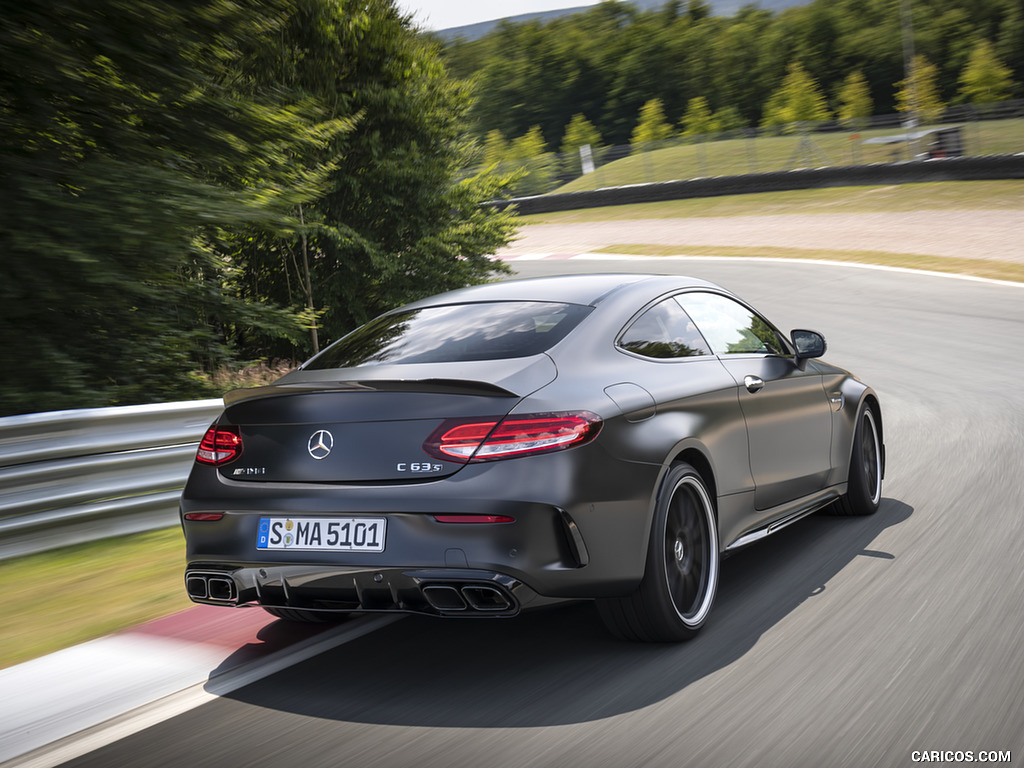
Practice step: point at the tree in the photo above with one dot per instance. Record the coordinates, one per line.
(698, 120)
(495, 148)
(918, 97)
(579, 133)
(799, 99)
(698, 9)
(855, 105)
(537, 166)
(985, 79)
(187, 184)
(729, 119)
(652, 125)
(127, 150)
(393, 223)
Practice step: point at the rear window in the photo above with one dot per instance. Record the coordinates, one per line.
(455, 333)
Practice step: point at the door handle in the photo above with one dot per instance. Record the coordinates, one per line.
(753, 383)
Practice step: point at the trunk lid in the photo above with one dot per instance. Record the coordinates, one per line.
(369, 425)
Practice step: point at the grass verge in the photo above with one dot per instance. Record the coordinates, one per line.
(995, 270)
(902, 198)
(56, 599)
(728, 157)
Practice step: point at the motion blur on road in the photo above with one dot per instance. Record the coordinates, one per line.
(845, 642)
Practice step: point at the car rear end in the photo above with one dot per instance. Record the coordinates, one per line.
(426, 486)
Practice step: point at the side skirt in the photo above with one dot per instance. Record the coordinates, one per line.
(786, 517)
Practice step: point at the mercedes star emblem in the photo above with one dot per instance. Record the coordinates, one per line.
(320, 444)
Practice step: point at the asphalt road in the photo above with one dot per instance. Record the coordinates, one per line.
(837, 642)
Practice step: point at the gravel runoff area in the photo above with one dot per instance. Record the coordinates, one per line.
(992, 234)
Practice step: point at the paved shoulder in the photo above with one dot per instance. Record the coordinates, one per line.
(992, 234)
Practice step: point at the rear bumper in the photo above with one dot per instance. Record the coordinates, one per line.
(330, 589)
(579, 530)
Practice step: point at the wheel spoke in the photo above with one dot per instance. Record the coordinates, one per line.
(686, 524)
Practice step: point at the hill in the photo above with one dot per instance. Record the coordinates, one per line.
(719, 8)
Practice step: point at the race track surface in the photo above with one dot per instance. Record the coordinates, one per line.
(837, 642)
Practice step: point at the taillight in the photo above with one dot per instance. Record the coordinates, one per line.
(466, 441)
(219, 445)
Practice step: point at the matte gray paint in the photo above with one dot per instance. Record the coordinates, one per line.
(607, 488)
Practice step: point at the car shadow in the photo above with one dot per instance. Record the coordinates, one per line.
(559, 666)
(273, 638)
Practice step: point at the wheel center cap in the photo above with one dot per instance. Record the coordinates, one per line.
(679, 551)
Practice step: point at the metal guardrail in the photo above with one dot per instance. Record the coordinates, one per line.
(72, 476)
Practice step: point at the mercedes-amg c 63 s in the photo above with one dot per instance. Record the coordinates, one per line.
(505, 446)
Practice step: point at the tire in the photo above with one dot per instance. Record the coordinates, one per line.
(864, 489)
(305, 617)
(681, 575)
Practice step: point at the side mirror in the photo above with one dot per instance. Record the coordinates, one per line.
(808, 344)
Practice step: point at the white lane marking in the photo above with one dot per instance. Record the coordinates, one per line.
(777, 259)
(181, 701)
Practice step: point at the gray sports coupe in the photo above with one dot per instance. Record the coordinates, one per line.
(505, 446)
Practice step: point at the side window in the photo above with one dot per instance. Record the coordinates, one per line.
(731, 328)
(664, 331)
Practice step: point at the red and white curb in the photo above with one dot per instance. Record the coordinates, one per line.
(60, 706)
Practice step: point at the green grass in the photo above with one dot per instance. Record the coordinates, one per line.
(774, 153)
(948, 196)
(56, 599)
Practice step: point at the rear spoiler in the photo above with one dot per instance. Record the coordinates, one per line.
(434, 386)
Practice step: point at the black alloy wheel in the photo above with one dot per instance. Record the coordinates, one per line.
(678, 589)
(864, 489)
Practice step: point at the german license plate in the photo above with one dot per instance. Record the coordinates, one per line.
(332, 534)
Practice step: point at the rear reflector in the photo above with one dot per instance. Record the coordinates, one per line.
(474, 519)
(204, 516)
(472, 441)
(219, 445)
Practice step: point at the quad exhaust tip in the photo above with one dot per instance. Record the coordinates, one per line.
(210, 586)
(444, 598)
(450, 598)
(484, 598)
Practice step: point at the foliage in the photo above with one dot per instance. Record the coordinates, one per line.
(125, 148)
(698, 119)
(610, 59)
(984, 79)
(258, 374)
(918, 97)
(579, 133)
(652, 125)
(855, 105)
(537, 168)
(189, 184)
(798, 100)
(729, 119)
(392, 225)
(495, 148)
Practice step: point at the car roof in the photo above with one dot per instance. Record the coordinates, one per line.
(586, 289)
